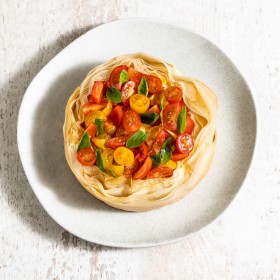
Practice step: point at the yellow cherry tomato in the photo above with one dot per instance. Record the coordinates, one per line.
(117, 170)
(152, 135)
(92, 116)
(100, 140)
(109, 128)
(172, 164)
(123, 156)
(108, 156)
(107, 110)
(139, 103)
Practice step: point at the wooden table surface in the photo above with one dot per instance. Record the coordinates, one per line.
(243, 244)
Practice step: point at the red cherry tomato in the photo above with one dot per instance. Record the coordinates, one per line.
(184, 143)
(154, 109)
(91, 130)
(131, 121)
(145, 168)
(116, 142)
(127, 91)
(135, 76)
(86, 156)
(154, 84)
(143, 152)
(116, 116)
(161, 137)
(97, 91)
(189, 125)
(115, 76)
(160, 172)
(173, 94)
(130, 170)
(135, 151)
(177, 156)
(92, 106)
(170, 116)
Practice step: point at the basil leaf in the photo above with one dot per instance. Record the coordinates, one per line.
(161, 103)
(99, 160)
(114, 95)
(143, 87)
(124, 77)
(149, 118)
(99, 124)
(85, 142)
(156, 159)
(167, 149)
(136, 139)
(182, 121)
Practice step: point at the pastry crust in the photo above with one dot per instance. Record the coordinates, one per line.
(141, 195)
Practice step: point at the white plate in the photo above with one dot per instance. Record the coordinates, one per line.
(40, 138)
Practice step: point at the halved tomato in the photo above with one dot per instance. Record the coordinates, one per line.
(154, 109)
(115, 76)
(177, 156)
(130, 170)
(145, 168)
(86, 156)
(189, 124)
(160, 172)
(131, 121)
(143, 152)
(116, 142)
(173, 94)
(184, 143)
(116, 116)
(170, 116)
(91, 130)
(127, 90)
(154, 84)
(161, 137)
(92, 106)
(135, 76)
(97, 91)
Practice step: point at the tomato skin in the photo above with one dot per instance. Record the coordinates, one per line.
(173, 94)
(131, 121)
(97, 91)
(135, 76)
(116, 116)
(115, 76)
(170, 116)
(189, 125)
(145, 168)
(92, 106)
(154, 84)
(160, 172)
(116, 142)
(154, 109)
(130, 170)
(144, 152)
(177, 156)
(86, 156)
(91, 130)
(184, 143)
(128, 89)
(161, 137)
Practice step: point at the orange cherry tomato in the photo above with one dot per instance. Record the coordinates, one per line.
(86, 156)
(177, 156)
(116, 142)
(115, 76)
(116, 116)
(92, 106)
(135, 76)
(184, 143)
(173, 94)
(170, 116)
(145, 168)
(189, 124)
(161, 137)
(154, 84)
(91, 130)
(127, 90)
(143, 152)
(160, 172)
(97, 91)
(131, 121)
(154, 109)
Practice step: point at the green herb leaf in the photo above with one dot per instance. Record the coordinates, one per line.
(136, 139)
(156, 159)
(149, 118)
(167, 149)
(99, 160)
(99, 124)
(124, 77)
(143, 87)
(182, 121)
(161, 103)
(85, 142)
(114, 95)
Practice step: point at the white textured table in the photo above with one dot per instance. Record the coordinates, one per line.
(243, 244)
